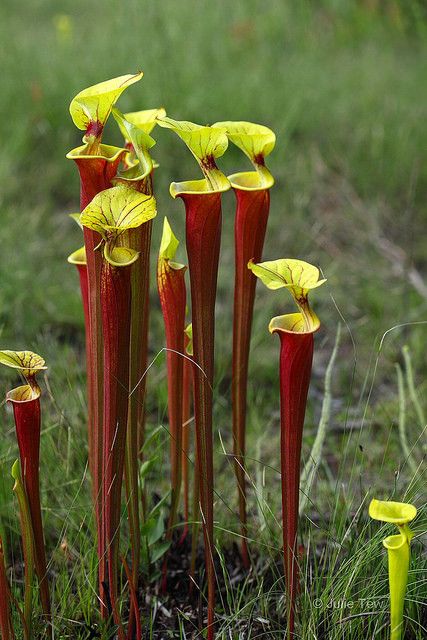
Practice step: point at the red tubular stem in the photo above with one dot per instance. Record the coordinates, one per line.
(186, 414)
(195, 526)
(94, 375)
(5, 618)
(249, 233)
(140, 240)
(203, 236)
(84, 290)
(195, 506)
(172, 294)
(96, 174)
(27, 416)
(135, 606)
(296, 356)
(115, 305)
(144, 248)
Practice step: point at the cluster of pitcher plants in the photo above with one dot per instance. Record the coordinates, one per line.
(117, 209)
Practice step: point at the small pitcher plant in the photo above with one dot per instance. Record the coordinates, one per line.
(296, 332)
(25, 401)
(398, 549)
(252, 191)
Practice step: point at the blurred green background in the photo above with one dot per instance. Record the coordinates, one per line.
(343, 83)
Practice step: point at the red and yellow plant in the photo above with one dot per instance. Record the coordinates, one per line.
(25, 401)
(172, 294)
(296, 332)
(112, 214)
(144, 121)
(202, 200)
(252, 191)
(97, 164)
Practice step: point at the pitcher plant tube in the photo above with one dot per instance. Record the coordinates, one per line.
(195, 507)
(78, 258)
(112, 214)
(252, 191)
(398, 549)
(97, 164)
(172, 294)
(137, 175)
(202, 200)
(144, 120)
(196, 482)
(296, 332)
(25, 401)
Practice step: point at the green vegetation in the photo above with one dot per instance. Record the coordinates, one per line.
(343, 85)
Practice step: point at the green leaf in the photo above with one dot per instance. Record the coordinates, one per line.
(253, 139)
(27, 362)
(157, 531)
(206, 144)
(76, 218)
(189, 333)
(152, 436)
(146, 466)
(78, 257)
(144, 120)
(169, 243)
(159, 505)
(159, 550)
(141, 143)
(94, 104)
(118, 209)
(396, 512)
(153, 528)
(298, 276)
(256, 141)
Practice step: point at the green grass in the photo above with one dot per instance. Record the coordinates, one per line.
(343, 84)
